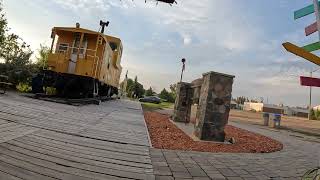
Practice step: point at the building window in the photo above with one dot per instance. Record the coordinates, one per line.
(63, 47)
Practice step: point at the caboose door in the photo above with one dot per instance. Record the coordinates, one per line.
(74, 54)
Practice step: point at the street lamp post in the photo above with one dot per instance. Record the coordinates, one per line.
(310, 95)
(183, 68)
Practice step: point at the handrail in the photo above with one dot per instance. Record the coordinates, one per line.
(72, 47)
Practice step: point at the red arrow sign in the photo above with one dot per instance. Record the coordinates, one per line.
(311, 29)
(309, 81)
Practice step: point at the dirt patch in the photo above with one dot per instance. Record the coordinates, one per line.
(165, 135)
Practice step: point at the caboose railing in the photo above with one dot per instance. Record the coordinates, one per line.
(62, 55)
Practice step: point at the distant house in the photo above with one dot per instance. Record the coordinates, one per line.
(271, 108)
(299, 112)
(261, 107)
(234, 105)
(316, 108)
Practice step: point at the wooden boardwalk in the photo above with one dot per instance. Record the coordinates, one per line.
(42, 140)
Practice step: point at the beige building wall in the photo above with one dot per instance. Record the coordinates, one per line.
(249, 106)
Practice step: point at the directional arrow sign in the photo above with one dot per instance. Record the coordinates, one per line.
(304, 12)
(311, 29)
(309, 81)
(312, 47)
(301, 52)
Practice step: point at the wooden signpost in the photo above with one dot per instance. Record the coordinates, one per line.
(312, 28)
(301, 52)
(309, 81)
(305, 51)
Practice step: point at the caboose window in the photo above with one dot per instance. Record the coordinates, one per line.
(113, 46)
(63, 47)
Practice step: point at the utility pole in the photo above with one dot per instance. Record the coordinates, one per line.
(183, 68)
(310, 99)
(316, 12)
(310, 95)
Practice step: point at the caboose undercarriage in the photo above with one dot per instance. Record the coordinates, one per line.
(71, 86)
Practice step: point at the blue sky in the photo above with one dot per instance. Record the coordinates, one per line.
(241, 37)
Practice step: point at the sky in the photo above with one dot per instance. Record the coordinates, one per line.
(243, 38)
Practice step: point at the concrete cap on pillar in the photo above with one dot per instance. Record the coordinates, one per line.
(222, 74)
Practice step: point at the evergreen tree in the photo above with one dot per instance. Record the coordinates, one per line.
(150, 92)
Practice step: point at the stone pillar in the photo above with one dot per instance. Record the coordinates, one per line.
(182, 106)
(214, 106)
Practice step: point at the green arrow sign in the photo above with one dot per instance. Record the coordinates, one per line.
(304, 11)
(312, 47)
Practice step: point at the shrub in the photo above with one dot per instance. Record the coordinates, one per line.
(24, 87)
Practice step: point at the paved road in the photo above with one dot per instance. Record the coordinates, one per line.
(300, 153)
(290, 122)
(42, 140)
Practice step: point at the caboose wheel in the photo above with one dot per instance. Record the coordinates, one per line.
(72, 89)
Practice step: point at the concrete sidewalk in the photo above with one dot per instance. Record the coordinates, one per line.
(299, 155)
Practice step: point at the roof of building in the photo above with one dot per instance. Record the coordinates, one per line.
(82, 30)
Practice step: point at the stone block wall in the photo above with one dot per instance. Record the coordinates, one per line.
(182, 107)
(214, 106)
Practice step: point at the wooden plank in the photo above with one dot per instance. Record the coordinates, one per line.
(312, 47)
(85, 152)
(101, 142)
(301, 52)
(304, 11)
(312, 28)
(6, 176)
(117, 154)
(71, 156)
(21, 172)
(15, 132)
(105, 145)
(73, 163)
(29, 174)
(45, 171)
(309, 81)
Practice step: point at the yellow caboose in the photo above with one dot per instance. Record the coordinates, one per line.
(81, 63)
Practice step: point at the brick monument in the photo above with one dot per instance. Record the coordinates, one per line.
(213, 99)
(183, 103)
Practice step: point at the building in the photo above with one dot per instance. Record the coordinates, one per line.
(234, 105)
(262, 107)
(316, 108)
(295, 111)
(271, 108)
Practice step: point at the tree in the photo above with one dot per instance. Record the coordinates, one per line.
(173, 89)
(164, 94)
(3, 25)
(15, 53)
(134, 88)
(312, 114)
(42, 58)
(241, 100)
(150, 92)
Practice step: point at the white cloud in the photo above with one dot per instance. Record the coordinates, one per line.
(211, 34)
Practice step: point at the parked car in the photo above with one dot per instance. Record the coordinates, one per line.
(151, 99)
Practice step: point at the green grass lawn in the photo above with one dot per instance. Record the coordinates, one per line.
(152, 106)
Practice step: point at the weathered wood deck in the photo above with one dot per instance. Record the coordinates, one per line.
(43, 140)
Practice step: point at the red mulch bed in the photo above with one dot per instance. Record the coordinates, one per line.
(165, 135)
